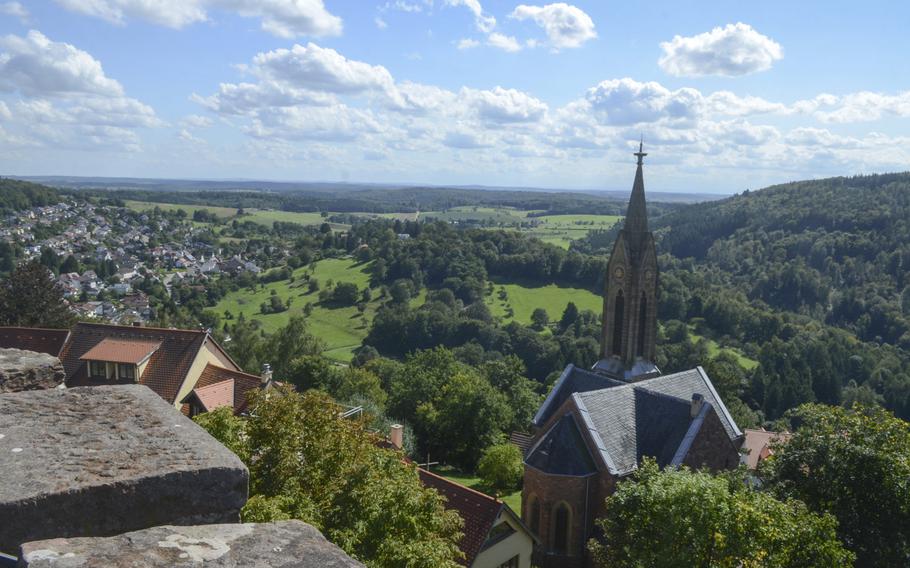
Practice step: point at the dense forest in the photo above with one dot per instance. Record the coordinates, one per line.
(16, 195)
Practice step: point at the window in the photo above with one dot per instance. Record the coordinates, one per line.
(499, 532)
(561, 528)
(126, 371)
(97, 369)
(618, 317)
(511, 563)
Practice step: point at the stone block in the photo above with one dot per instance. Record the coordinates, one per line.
(27, 370)
(99, 461)
(289, 544)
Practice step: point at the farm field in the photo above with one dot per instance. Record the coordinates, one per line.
(341, 328)
(560, 230)
(261, 216)
(223, 212)
(525, 299)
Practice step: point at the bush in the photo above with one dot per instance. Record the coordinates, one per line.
(501, 468)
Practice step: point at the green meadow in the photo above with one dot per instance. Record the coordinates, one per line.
(524, 299)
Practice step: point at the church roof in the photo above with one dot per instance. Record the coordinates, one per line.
(562, 450)
(637, 213)
(627, 421)
(573, 379)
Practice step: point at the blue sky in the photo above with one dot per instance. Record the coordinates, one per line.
(728, 95)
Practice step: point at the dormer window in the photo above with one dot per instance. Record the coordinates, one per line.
(126, 371)
(97, 369)
(121, 360)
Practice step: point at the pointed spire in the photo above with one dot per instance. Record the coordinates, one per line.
(637, 213)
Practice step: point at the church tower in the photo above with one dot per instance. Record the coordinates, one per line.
(629, 331)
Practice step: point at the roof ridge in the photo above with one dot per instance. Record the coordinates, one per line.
(462, 486)
(244, 374)
(140, 328)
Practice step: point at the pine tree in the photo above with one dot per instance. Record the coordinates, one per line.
(31, 298)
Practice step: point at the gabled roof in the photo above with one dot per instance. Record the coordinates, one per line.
(627, 421)
(48, 341)
(757, 445)
(573, 379)
(478, 510)
(562, 450)
(216, 395)
(241, 384)
(131, 351)
(167, 367)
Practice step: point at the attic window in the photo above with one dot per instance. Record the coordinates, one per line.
(500, 532)
(126, 371)
(97, 369)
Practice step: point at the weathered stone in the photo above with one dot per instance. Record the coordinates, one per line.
(27, 370)
(288, 544)
(99, 461)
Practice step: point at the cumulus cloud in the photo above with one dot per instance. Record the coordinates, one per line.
(503, 42)
(735, 49)
(35, 65)
(467, 43)
(14, 9)
(504, 105)
(626, 101)
(484, 22)
(566, 26)
(864, 106)
(66, 96)
(283, 18)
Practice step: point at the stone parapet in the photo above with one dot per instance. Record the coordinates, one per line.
(27, 370)
(99, 461)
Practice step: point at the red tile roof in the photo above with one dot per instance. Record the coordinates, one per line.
(478, 510)
(216, 396)
(242, 383)
(121, 351)
(167, 367)
(48, 341)
(757, 445)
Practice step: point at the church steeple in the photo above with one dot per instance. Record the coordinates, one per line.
(629, 334)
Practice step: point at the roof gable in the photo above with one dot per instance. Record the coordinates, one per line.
(167, 367)
(573, 379)
(242, 384)
(562, 450)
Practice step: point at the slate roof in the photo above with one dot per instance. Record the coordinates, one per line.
(48, 341)
(132, 351)
(241, 383)
(167, 367)
(627, 421)
(573, 379)
(562, 450)
(478, 510)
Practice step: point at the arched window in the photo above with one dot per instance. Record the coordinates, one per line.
(642, 324)
(534, 515)
(562, 527)
(618, 317)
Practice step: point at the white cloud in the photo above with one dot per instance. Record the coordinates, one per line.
(35, 65)
(505, 105)
(196, 121)
(503, 42)
(725, 102)
(566, 26)
(626, 101)
(864, 106)
(467, 43)
(337, 123)
(735, 49)
(283, 18)
(14, 9)
(380, 23)
(484, 22)
(67, 100)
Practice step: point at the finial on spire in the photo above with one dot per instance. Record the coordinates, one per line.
(641, 153)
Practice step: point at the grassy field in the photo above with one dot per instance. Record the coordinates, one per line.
(714, 350)
(342, 328)
(223, 212)
(524, 299)
(513, 500)
(560, 230)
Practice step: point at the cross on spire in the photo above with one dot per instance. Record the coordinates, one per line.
(640, 154)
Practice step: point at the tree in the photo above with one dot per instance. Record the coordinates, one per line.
(670, 518)
(29, 297)
(539, 318)
(308, 463)
(569, 315)
(345, 294)
(288, 343)
(853, 464)
(70, 264)
(501, 468)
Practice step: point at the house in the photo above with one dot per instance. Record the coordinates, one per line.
(48, 341)
(757, 446)
(172, 362)
(494, 535)
(596, 426)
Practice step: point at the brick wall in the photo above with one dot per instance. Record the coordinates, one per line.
(712, 448)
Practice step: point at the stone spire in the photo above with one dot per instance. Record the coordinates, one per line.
(637, 214)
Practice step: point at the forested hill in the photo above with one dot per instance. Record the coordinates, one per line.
(16, 195)
(837, 249)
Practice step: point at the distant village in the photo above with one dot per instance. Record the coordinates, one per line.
(136, 246)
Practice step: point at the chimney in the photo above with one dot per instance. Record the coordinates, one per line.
(396, 436)
(697, 402)
(266, 374)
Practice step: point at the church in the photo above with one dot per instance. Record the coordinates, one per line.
(596, 425)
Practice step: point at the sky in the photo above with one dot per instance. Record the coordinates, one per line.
(727, 95)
